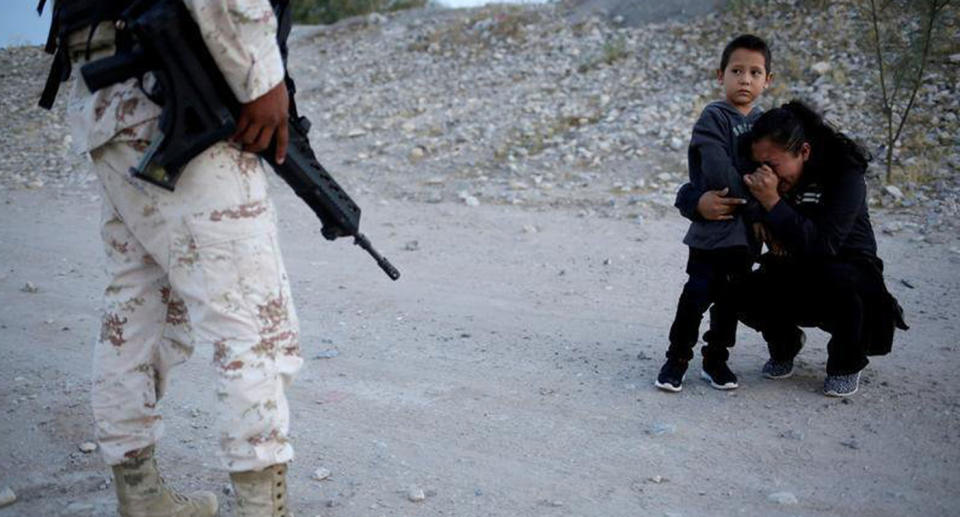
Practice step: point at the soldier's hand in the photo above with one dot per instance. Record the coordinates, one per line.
(263, 118)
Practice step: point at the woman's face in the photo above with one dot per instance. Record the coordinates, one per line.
(788, 166)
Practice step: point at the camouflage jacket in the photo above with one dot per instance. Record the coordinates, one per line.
(241, 36)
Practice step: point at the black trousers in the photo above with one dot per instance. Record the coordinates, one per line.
(712, 277)
(832, 294)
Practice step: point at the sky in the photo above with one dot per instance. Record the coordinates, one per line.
(20, 24)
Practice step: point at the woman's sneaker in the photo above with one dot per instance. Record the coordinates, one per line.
(841, 385)
(671, 375)
(777, 369)
(719, 375)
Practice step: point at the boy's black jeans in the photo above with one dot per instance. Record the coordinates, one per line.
(712, 277)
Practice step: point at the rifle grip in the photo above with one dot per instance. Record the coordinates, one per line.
(115, 69)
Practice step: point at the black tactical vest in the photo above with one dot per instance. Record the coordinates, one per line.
(74, 15)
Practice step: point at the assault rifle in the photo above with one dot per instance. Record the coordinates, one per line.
(199, 109)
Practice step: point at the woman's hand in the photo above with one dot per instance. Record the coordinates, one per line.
(762, 234)
(715, 206)
(763, 185)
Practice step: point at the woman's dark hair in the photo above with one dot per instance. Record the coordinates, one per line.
(794, 123)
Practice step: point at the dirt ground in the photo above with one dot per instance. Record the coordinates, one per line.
(508, 373)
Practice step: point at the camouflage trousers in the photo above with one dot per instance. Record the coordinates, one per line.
(199, 265)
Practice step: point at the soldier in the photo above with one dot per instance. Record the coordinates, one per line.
(199, 265)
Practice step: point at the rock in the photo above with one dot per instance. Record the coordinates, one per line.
(657, 479)
(664, 176)
(415, 494)
(412, 245)
(417, 153)
(660, 429)
(954, 58)
(821, 67)
(471, 201)
(320, 474)
(850, 444)
(356, 132)
(529, 228)
(87, 447)
(676, 143)
(893, 191)
(891, 227)
(329, 353)
(29, 287)
(784, 498)
(792, 435)
(78, 507)
(7, 497)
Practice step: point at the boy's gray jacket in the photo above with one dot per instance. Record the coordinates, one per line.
(242, 38)
(715, 164)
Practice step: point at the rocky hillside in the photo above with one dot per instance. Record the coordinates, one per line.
(545, 107)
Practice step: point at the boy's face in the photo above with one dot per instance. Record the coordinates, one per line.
(745, 78)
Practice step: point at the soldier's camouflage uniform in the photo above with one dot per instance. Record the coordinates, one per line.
(197, 266)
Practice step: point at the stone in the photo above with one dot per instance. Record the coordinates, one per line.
(821, 67)
(894, 191)
(29, 287)
(415, 494)
(87, 447)
(7, 497)
(411, 246)
(660, 429)
(78, 507)
(664, 176)
(356, 132)
(676, 144)
(320, 474)
(471, 201)
(792, 435)
(783, 498)
(329, 353)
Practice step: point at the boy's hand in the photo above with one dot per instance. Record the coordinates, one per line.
(261, 119)
(715, 206)
(763, 185)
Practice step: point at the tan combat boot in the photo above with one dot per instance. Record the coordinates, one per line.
(141, 492)
(262, 493)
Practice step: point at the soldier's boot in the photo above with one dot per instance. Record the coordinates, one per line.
(262, 493)
(141, 492)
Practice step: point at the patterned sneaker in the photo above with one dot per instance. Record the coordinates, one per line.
(777, 369)
(671, 375)
(718, 375)
(841, 385)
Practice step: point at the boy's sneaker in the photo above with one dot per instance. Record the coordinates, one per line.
(841, 385)
(778, 369)
(719, 375)
(671, 375)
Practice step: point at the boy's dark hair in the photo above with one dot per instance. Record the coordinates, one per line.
(749, 42)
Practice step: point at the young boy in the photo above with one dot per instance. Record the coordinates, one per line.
(720, 251)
